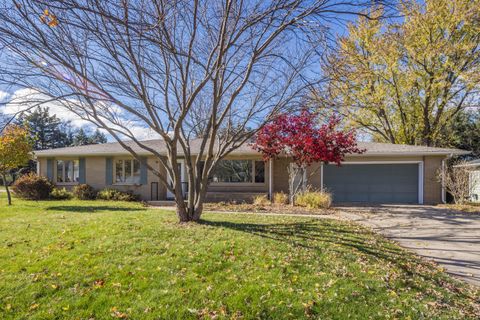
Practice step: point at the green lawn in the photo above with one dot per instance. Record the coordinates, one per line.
(107, 260)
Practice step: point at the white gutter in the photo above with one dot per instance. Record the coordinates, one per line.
(270, 180)
(444, 191)
(114, 154)
(467, 165)
(321, 177)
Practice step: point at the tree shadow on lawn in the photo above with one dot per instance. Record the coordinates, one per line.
(305, 234)
(92, 208)
(313, 235)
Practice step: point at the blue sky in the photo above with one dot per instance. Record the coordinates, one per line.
(337, 28)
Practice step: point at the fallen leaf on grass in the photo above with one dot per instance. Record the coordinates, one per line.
(99, 283)
(34, 306)
(117, 314)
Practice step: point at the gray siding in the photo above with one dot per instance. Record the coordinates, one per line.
(372, 183)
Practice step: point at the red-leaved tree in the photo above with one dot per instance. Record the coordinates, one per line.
(306, 141)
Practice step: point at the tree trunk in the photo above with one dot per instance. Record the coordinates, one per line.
(291, 196)
(182, 213)
(293, 172)
(198, 208)
(189, 211)
(427, 141)
(197, 212)
(9, 197)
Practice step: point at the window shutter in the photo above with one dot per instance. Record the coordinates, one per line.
(109, 171)
(81, 171)
(50, 169)
(143, 170)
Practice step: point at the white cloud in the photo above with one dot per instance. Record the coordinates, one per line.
(144, 133)
(3, 96)
(27, 99)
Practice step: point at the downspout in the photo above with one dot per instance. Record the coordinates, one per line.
(444, 191)
(37, 162)
(270, 179)
(321, 177)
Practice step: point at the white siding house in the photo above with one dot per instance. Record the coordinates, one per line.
(474, 182)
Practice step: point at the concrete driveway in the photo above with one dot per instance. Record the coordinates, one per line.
(451, 238)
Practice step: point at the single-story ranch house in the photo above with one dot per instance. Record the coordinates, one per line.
(385, 173)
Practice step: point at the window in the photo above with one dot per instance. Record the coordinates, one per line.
(259, 171)
(239, 171)
(67, 171)
(127, 171)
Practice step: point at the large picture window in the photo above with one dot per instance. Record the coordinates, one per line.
(239, 171)
(259, 172)
(127, 171)
(67, 171)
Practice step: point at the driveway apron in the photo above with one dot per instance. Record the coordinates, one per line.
(450, 238)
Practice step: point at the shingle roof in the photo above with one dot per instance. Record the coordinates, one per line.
(114, 148)
(398, 149)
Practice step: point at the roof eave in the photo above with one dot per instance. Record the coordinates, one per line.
(410, 153)
(253, 153)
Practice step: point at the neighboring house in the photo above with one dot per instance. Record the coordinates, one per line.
(474, 178)
(385, 173)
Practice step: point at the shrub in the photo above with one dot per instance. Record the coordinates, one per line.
(84, 192)
(314, 199)
(61, 194)
(261, 200)
(32, 187)
(107, 194)
(116, 195)
(280, 198)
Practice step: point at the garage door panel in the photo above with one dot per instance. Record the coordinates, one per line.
(405, 197)
(381, 188)
(372, 183)
(355, 188)
(401, 187)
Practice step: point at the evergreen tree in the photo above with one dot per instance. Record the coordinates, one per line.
(81, 138)
(98, 137)
(464, 132)
(48, 130)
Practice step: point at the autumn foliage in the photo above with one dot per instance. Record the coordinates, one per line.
(306, 141)
(33, 187)
(301, 137)
(15, 148)
(49, 18)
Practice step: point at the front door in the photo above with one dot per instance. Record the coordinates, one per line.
(181, 167)
(154, 191)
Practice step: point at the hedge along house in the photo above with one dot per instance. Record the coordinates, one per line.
(385, 173)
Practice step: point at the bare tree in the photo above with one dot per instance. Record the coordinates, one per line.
(213, 70)
(459, 180)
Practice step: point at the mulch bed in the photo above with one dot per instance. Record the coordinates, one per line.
(273, 208)
(468, 208)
